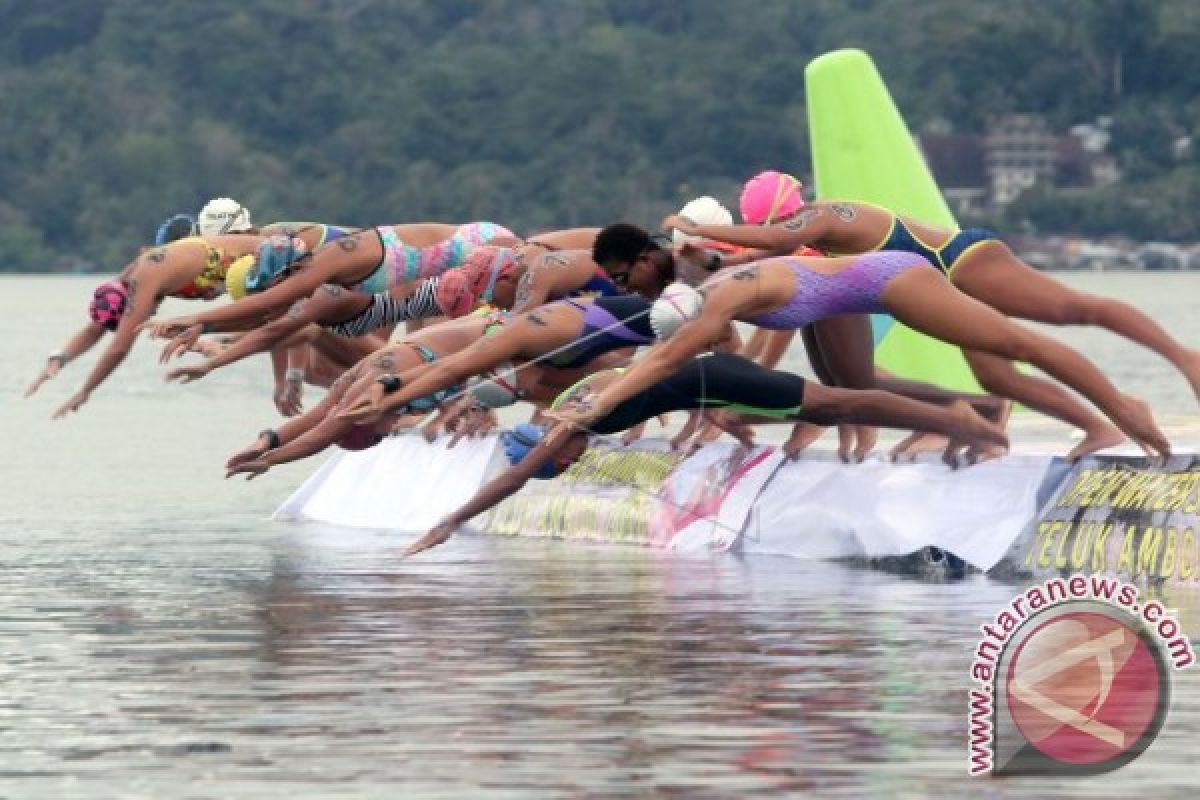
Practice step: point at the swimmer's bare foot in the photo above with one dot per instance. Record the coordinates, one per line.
(1099, 438)
(916, 443)
(803, 434)
(1135, 418)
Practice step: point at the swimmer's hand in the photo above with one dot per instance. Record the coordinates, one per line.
(474, 421)
(436, 535)
(52, 368)
(73, 404)
(166, 328)
(181, 343)
(368, 405)
(251, 469)
(247, 454)
(580, 417)
(189, 374)
(289, 397)
(693, 253)
(677, 222)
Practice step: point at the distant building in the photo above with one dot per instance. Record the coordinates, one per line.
(981, 172)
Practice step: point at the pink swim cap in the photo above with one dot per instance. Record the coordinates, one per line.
(453, 296)
(109, 302)
(769, 197)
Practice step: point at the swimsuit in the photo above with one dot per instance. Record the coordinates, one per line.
(210, 282)
(944, 257)
(609, 323)
(403, 263)
(386, 310)
(856, 289)
(720, 380)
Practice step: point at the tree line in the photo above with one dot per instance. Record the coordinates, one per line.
(539, 115)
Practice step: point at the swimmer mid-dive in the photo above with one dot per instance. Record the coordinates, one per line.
(193, 268)
(723, 381)
(783, 293)
(978, 263)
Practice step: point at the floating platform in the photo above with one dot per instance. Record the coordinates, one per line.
(1023, 516)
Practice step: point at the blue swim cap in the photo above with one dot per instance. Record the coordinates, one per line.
(275, 255)
(175, 228)
(520, 441)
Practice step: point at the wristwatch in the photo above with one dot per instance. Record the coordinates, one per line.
(389, 382)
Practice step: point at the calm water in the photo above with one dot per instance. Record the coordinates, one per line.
(161, 638)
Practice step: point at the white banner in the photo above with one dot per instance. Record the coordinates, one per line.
(818, 507)
(404, 482)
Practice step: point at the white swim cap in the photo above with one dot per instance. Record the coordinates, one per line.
(497, 388)
(702, 211)
(223, 215)
(678, 304)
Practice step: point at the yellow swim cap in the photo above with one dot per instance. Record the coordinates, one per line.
(235, 276)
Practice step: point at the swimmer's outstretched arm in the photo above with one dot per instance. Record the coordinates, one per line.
(76, 346)
(495, 491)
(804, 229)
(144, 297)
(424, 380)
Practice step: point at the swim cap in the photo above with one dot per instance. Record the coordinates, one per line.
(519, 443)
(109, 303)
(497, 387)
(453, 296)
(463, 288)
(702, 211)
(678, 304)
(235, 277)
(360, 437)
(274, 255)
(223, 215)
(175, 228)
(769, 197)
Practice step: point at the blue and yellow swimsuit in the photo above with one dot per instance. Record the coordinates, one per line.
(944, 257)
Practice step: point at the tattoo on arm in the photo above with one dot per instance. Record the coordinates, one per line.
(348, 243)
(524, 289)
(297, 308)
(556, 259)
(133, 288)
(747, 274)
(157, 255)
(333, 290)
(844, 211)
(385, 362)
(798, 222)
(535, 319)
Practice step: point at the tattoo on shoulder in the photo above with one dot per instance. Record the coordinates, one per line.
(802, 219)
(746, 274)
(385, 362)
(157, 255)
(844, 211)
(297, 308)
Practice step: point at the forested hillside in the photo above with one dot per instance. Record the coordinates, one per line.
(115, 113)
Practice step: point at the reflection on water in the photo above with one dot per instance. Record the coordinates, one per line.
(159, 638)
(315, 662)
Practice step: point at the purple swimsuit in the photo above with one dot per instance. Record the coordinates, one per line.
(855, 290)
